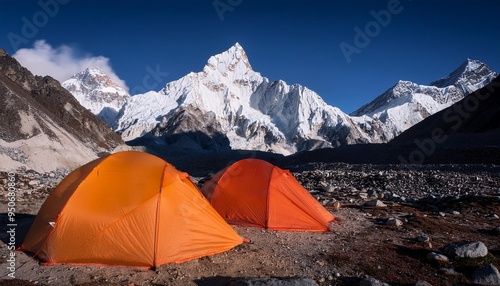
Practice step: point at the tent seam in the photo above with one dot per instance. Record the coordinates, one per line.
(157, 219)
(299, 206)
(267, 197)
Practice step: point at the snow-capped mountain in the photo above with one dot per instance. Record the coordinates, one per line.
(470, 76)
(98, 93)
(43, 127)
(228, 104)
(408, 103)
(470, 123)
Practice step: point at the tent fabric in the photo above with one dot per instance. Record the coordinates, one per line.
(129, 208)
(253, 192)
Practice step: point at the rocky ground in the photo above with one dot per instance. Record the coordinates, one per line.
(395, 226)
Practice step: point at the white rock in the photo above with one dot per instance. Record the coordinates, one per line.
(34, 182)
(394, 222)
(375, 203)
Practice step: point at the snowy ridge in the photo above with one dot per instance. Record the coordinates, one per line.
(408, 103)
(471, 75)
(229, 105)
(251, 111)
(98, 93)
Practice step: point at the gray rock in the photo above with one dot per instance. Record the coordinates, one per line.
(466, 249)
(329, 189)
(395, 197)
(487, 275)
(273, 282)
(372, 282)
(497, 230)
(375, 203)
(352, 189)
(437, 257)
(422, 283)
(448, 271)
(34, 182)
(422, 238)
(394, 222)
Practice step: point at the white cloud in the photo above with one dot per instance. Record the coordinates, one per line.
(62, 62)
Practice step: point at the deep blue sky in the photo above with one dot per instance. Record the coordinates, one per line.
(297, 41)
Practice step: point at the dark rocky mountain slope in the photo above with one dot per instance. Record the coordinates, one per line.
(43, 125)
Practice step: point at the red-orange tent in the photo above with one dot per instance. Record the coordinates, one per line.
(129, 208)
(253, 192)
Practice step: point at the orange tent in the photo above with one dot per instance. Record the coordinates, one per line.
(129, 208)
(253, 192)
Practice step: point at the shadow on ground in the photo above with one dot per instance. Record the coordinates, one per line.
(20, 226)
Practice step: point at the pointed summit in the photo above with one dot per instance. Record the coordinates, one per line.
(96, 91)
(93, 71)
(234, 60)
(470, 73)
(93, 76)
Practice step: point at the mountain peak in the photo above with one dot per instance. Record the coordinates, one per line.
(233, 60)
(94, 71)
(238, 46)
(97, 78)
(96, 91)
(53, 116)
(470, 65)
(90, 72)
(470, 72)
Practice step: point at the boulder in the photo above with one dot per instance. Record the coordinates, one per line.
(372, 282)
(487, 275)
(466, 249)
